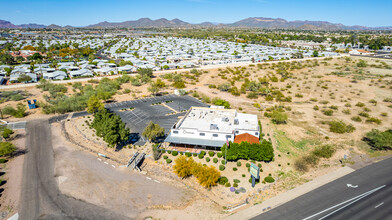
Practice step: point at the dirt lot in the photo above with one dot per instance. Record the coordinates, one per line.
(104, 183)
(11, 172)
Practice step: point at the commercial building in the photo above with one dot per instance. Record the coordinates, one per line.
(211, 127)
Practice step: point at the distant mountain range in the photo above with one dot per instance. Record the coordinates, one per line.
(253, 22)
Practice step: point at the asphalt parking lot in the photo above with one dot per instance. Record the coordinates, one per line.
(144, 111)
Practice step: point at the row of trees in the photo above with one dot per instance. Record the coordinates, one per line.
(207, 176)
(260, 152)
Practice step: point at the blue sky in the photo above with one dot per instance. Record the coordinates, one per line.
(85, 12)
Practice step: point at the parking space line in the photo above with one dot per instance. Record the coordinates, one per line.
(148, 178)
(113, 166)
(157, 181)
(99, 159)
(105, 162)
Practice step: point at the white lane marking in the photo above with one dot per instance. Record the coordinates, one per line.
(157, 181)
(355, 199)
(113, 166)
(99, 159)
(352, 186)
(106, 162)
(148, 178)
(379, 205)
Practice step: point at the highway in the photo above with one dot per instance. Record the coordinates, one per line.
(40, 196)
(363, 194)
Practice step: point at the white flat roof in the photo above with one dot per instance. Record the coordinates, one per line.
(218, 120)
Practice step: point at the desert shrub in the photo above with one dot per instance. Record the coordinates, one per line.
(219, 155)
(360, 104)
(175, 153)
(223, 180)
(310, 159)
(2, 160)
(188, 154)
(234, 168)
(7, 132)
(269, 179)
(384, 114)
(238, 163)
(6, 148)
(211, 153)
(379, 140)
(194, 154)
(207, 159)
(243, 175)
(300, 165)
(259, 165)
(356, 118)
(236, 181)
(373, 120)
(215, 160)
(324, 151)
(221, 102)
(328, 112)
(316, 108)
(235, 185)
(346, 111)
(221, 167)
(227, 185)
(334, 107)
(165, 157)
(364, 114)
(340, 127)
(223, 162)
(168, 161)
(247, 165)
(19, 112)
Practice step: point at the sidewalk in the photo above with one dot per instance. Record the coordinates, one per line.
(290, 195)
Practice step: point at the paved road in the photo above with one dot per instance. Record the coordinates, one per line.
(369, 197)
(40, 197)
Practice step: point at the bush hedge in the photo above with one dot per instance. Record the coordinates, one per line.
(269, 179)
(245, 150)
(175, 153)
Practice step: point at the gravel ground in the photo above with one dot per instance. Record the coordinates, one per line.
(102, 183)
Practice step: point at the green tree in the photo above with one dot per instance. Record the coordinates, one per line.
(94, 104)
(24, 78)
(279, 117)
(153, 88)
(145, 72)
(152, 131)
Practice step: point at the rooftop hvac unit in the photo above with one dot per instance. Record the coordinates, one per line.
(226, 119)
(236, 121)
(214, 127)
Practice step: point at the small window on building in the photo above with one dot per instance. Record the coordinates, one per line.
(202, 134)
(237, 132)
(228, 136)
(175, 132)
(214, 135)
(256, 133)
